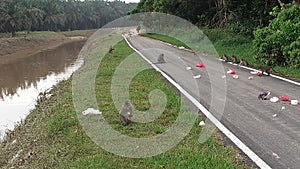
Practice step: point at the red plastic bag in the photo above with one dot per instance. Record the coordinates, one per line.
(200, 65)
(232, 72)
(259, 74)
(285, 98)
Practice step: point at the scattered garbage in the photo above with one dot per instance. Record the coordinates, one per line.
(224, 76)
(250, 77)
(200, 65)
(259, 74)
(254, 72)
(264, 95)
(274, 115)
(197, 77)
(285, 98)
(294, 102)
(91, 111)
(188, 68)
(282, 108)
(235, 76)
(231, 72)
(202, 123)
(48, 95)
(274, 99)
(275, 155)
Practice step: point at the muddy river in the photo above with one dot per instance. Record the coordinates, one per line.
(22, 80)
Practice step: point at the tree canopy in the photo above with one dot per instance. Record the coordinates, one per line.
(241, 15)
(55, 15)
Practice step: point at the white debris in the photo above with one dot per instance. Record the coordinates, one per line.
(274, 99)
(275, 155)
(294, 102)
(235, 76)
(250, 77)
(224, 76)
(274, 115)
(181, 47)
(188, 68)
(202, 123)
(197, 77)
(91, 111)
(48, 95)
(282, 107)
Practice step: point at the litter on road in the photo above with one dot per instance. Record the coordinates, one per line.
(274, 99)
(294, 102)
(197, 77)
(188, 68)
(274, 115)
(231, 72)
(285, 98)
(250, 77)
(91, 111)
(259, 74)
(235, 76)
(200, 65)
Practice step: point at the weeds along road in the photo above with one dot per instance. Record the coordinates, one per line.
(271, 130)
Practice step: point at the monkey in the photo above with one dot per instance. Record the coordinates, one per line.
(234, 59)
(243, 62)
(110, 49)
(263, 95)
(265, 69)
(126, 114)
(161, 58)
(224, 58)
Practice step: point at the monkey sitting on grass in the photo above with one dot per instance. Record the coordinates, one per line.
(126, 114)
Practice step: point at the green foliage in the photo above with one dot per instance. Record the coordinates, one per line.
(57, 15)
(241, 16)
(279, 43)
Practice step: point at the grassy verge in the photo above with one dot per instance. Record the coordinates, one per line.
(226, 42)
(166, 39)
(51, 136)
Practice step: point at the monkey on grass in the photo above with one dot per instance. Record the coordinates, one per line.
(126, 114)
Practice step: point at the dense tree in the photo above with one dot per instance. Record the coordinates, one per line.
(58, 15)
(241, 15)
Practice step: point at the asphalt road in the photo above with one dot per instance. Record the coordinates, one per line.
(276, 140)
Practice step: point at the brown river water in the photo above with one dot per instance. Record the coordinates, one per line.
(22, 80)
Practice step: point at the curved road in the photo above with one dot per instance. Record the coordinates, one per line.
(276, 140)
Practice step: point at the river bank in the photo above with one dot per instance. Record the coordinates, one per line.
(26, 45)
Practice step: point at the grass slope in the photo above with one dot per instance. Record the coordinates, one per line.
(51, 136)
(226, 42)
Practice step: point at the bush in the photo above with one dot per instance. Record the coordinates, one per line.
(279, 43)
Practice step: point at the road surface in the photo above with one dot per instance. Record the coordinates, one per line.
(271, 130)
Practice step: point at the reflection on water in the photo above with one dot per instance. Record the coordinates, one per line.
(21, 81)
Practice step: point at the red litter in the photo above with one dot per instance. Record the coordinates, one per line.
(285, 98)
(200, 65)
(231, 72)
(259, 74)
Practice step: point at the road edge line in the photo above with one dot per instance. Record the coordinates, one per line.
(243, 147)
